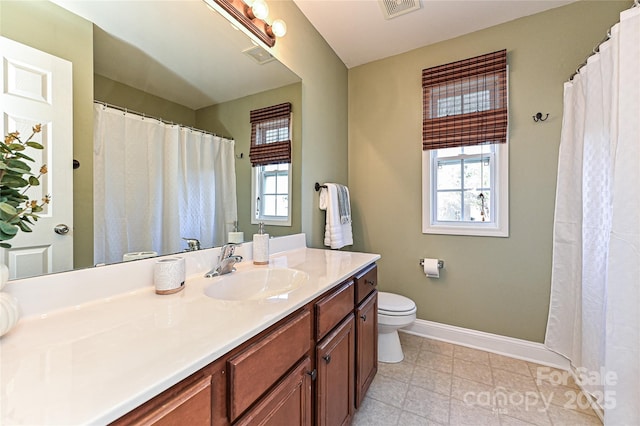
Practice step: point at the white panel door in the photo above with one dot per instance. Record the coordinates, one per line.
(37, 88)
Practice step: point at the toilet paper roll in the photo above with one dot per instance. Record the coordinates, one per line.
(169, 275)
(236, 237)
(430, 267)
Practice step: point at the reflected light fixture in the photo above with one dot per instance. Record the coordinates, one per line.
(258, 9)
(278, 28)
(253, 15)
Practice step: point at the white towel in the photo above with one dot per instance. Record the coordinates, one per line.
(337, 231)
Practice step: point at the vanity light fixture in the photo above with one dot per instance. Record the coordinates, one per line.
(278, 28)
(253, 15)
(258, 9)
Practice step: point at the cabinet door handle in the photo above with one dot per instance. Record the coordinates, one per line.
(370, 282)
(313, 374)
(327, 358)
(364, 317)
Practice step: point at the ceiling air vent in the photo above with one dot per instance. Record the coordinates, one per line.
(259, 54)
(394, 8)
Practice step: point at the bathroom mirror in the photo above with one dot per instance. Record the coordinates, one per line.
(180, 51)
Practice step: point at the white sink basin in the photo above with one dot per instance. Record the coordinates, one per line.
(256, 284)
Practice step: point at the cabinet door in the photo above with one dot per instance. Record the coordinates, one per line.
(289, 403)
(366, 345)
(335, 380)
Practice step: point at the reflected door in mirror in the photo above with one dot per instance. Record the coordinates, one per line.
(38, 90)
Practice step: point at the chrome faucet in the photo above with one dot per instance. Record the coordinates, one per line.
(226, 261)
(192, 244)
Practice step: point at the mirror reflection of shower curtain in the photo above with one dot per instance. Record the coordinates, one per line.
(156, 183)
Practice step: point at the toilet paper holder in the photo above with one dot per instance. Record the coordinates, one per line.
(440, 263)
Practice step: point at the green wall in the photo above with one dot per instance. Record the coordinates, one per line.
(52, 29)
(232, 118)
(122, 95)
(324, 111)
(496, 285)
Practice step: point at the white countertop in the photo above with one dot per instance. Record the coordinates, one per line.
(96, 361)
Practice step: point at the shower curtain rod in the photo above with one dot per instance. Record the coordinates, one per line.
(596, 49)
(143, 115)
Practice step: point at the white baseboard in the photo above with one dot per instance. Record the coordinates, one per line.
(508, 346)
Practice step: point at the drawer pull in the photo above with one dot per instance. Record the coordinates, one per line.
(313, 373)
(327, 358)
(370, 282)
(364, 317)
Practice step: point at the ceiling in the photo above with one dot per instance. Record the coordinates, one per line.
(358, 32)
(178, 50)
(145, 44)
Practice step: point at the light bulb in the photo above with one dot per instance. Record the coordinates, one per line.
(260, 9)
(279, 28)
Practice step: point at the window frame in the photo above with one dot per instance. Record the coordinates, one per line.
(257, 179)
(499, 193)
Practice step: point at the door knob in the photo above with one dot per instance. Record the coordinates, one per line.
(61, 229)
(327, 358)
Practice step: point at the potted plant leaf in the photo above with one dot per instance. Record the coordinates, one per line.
(17, 211)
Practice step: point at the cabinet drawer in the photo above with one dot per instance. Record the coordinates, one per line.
(330, 310)
(366, 282)
(187, 402)
(260, 366)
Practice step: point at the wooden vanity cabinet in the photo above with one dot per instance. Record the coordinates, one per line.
(366, 309)
(335, 356)
(312, 367)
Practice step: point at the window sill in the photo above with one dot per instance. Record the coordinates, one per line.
(474, 231)
(272, 222)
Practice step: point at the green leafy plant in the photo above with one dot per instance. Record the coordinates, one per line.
(17, 211)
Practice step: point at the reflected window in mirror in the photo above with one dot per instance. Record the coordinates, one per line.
(270, 155)
(273, 189)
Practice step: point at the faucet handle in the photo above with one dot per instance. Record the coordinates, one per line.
(228, 249)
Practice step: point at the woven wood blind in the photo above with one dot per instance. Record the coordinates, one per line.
(270, 135)
(465, 102)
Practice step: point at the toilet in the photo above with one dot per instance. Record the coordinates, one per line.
(394, 312)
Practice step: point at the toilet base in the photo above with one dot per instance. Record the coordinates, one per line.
(389, 348)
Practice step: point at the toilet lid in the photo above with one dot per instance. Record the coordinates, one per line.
(391, 303)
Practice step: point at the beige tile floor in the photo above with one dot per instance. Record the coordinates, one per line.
(440, 383)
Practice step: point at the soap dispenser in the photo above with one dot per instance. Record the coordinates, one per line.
(260, 246)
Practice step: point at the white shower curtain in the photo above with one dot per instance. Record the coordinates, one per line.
(156, 183)
(594, 314)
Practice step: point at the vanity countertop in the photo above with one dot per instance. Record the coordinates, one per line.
(94, 362)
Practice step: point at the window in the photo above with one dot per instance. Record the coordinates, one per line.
(272, 185)
(270, 156)
(465, 154)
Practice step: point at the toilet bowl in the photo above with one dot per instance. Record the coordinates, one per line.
(394, 312)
